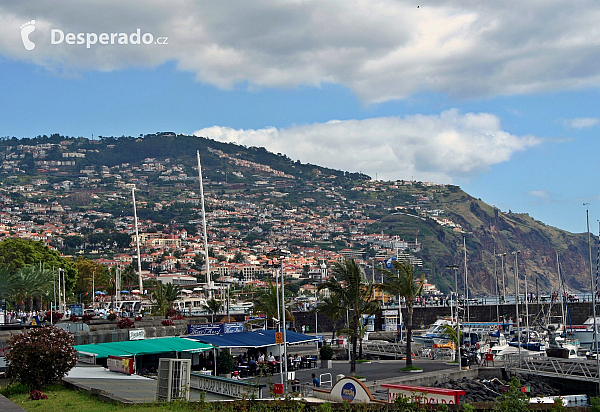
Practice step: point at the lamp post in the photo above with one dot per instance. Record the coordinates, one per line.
(455, 269)
(316, 312)
(284, 358)
(516, 253)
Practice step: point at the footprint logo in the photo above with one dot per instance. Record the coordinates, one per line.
(26, 30)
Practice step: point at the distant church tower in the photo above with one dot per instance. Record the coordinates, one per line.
(323, 271)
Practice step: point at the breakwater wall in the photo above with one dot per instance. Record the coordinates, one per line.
(423, 316)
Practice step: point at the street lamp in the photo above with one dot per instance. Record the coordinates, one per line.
(284, 359)
(455, 269)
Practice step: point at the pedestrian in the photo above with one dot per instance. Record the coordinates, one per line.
(316, 382)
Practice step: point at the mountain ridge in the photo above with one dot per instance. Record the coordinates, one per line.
(433, 217)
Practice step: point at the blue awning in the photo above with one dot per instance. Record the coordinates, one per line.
(256, 339)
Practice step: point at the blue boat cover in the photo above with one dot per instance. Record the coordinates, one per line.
(256, 339)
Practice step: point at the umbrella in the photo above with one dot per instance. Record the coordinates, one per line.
(100, 293)
(135, 291)
(124, 291)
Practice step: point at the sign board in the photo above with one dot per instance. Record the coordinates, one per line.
(233, 327)
(347, 389)
(76, 310)
(137, 334)
(278, 338)
(390, 320)
(205, 329)
(35, 321)
(120, 364)
(423, 394)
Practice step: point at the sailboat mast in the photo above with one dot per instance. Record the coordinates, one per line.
(208, 279)
(137, 242)
(466, 283)
(562, 302)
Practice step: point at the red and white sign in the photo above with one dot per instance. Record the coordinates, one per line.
(423, 394)
(120, 364)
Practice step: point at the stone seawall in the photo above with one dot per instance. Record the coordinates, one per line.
(102, 331)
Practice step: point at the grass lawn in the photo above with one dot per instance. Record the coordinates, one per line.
(61, 399)
(410, 369)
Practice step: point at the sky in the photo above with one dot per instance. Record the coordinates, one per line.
(500, 98)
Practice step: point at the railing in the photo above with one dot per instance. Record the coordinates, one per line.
(577, 369)
(384, 348)
(328, 381)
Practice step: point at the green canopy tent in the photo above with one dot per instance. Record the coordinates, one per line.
(135, 348)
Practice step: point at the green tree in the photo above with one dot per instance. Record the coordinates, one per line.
(16, 253)
(265, 303)
(31, 282)
(90, 273)
(238, 258)
(355, 293)
(453, 336)
(164, 296)
(213, 306)
(400, 281)
(129, 277)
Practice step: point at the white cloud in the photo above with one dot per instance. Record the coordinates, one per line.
(582, 122)
(436, 148)
(540, 194)
(382, 50)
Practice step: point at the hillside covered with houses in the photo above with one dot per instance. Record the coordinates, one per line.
(74, 194)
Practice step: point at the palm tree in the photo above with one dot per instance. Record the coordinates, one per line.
(450, 331)
(129, 277)
(265, 303)
(333, 310)
(355, 293)
(164, 296)
(30, 282)
(213, 306)
(401, 281)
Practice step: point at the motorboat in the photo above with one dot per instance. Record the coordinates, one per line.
(583, 333)
(435, 334)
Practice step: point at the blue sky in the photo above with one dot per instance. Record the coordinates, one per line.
(501, 99)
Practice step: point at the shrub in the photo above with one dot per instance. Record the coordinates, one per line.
(125, 323)
(138, 318)
(167, 322)
(87, 317)
(170, 313)
(56, 316)
(74, 318)
(41, 356)
(112, 317)
(512, 400)
(177, 316)
(326, 352)
(224, 361)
